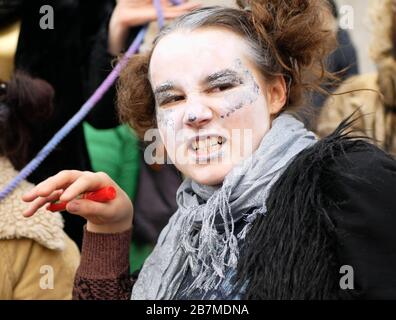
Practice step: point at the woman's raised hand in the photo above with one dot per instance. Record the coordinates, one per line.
(109, 217)
(132, 13)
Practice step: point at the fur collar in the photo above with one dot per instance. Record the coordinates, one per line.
(44, 227)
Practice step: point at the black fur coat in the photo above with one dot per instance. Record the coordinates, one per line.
(334, 206)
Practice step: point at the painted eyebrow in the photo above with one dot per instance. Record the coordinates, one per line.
(226, 73)
(167, 86)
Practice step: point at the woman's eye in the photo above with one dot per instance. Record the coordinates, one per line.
(173, 99)
(222, 87)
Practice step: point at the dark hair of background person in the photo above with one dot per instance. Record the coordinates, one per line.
(23, 101)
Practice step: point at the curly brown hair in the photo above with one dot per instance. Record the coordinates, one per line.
(288, 38)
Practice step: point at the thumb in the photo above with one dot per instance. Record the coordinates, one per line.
(100, 216)
(88, 209)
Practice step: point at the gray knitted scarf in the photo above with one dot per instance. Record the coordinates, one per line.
(200, 235)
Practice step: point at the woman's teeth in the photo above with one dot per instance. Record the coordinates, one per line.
(209, 144)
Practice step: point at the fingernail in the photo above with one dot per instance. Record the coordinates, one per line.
(73, 206)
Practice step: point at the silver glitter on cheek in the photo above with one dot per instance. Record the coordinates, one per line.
(244, 97)
(165, 118)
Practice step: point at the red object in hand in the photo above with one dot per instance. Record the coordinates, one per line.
(102, 195)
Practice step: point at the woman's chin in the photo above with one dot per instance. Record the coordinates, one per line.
(209, 174)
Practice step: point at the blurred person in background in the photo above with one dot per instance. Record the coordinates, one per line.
(371, 96)
(343, 61)
(60, 56)
(26, 247)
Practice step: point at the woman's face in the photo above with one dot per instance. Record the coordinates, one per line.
(213, 106)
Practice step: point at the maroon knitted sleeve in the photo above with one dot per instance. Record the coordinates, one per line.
(103, 273)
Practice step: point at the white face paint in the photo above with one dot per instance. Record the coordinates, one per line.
(206, 90)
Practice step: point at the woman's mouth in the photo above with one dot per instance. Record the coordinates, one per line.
(207, 147)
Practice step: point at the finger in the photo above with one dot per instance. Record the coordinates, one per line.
(188, 6)
(173, 12)
(173, 15)
(183, 6)
(89, 181)
(39, 202)
(132, 18)
(174, 3)
(149, 13)
(90, 210)
(60, 181)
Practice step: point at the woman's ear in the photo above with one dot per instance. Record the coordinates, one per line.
(277, 95)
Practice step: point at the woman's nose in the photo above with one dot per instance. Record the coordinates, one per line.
(197, 115)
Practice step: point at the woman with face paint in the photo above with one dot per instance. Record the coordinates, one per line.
(266, 210)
